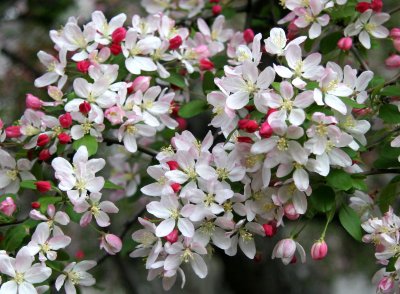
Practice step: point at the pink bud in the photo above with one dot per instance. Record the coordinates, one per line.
(115, 115)
(43, 186)
(112, 244)
(64, 138)
(83, 66)
(363, 6)
(396, 44)
(319, 250)
(43, 140)
(270, 229)
(266, 130)
(395, 33)
(173, 165)
(65, 120)
(216, 9)
(176, 187)
(345, 43)
(13, 131)
(44, 154)
(377, 5)
(206, 64)
(182, 123)
(173, 236)
(85, 107)
(290, 211)
(115, 48)
(386, 285)
(118, 35)
(248, 35)
(33, 102)
(80, 255)
(393, 61)
(141, 83)
(285, 249)
(175, 42)
(8, 206)
(35, 205)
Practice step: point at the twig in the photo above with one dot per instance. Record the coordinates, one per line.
(146, 150)
(380, 171)
(359, 58)
(13, 223)
(388, 83)
(379, 141)
(394, 10)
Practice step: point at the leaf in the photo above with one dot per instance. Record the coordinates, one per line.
(219, 61)
(388, 194)
(389, 113)
(340, 180)
(351, 222)
(390, 91)
(45, 201)
(110, 185)
(329, 42)
(229, 12)
(208, 82)
(176, 79)
(352, 103)
(28, 184)
(88, 141)
(323, 198)
(14, 237)
(193, 108)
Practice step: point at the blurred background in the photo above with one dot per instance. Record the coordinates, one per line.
(349, 266)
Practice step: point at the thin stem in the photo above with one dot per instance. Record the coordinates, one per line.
(388, 83)
(294, 237)
(379, 141)
(359, 58)
(17, 222)
(394, 10)
(380, 171)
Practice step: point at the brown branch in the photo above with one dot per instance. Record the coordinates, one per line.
(394, 10)
(359, 58)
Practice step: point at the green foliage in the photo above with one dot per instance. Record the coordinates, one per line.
(28, 184)
(339, 180)
(389, 113)
(208, 82)
(14, 237)
(351, 222)
(390, 91)
(89, 141)
(388, 194)
(329, 42)
(323, 199)
(112, 186)
(176, 80)
(193, 108)
(387, 156)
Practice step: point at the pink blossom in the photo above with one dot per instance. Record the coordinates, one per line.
(112, 244)
(8, 206)
(393, 61)
(115, 114)
(319, 250)
(33, 102)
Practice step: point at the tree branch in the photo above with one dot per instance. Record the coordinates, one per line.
(17, 222)
(394, 10)
(359, 58)
(380, 171)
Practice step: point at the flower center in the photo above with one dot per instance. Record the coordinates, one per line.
(131, 129)
(322, 130)
(207, 227)
(209, 199)
(86, 126)
(74, 277)
(282, 144)
(245, 235)
(187, 255)
(174, 213)
(19, 278)
(287, 104)
(12, 174)
(222, 173)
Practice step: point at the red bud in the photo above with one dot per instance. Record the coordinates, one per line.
(172, 237)
(175, 42)
(118, 35)
(85, 107)
(65, 120)
(43, 140)
(43, 186)
(64, 138)
(83, 66)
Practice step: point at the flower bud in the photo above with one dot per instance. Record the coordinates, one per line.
(43, 186)
(173, 165)
(206, 64)
(393, 61)
(363, 6)
(176, 187)
(386, 285)
(319, 250)
(395, 33)
(270, 229)
(244, 139)
(248, 35)
(44, 155)
(141, 83)
(33, 102)
(43, 140)
(83, 66)
(216, 10)
(80, 255)
(64, 138)
(377, 5)
(115, 49)
(345, 43)
(214, 1)
(85, 107)
(35, 205)
(55, 93)
(13, 131)
(118, 35)
(111, 243)
(248, 125)
(271, 111)
(284, 249)
(182, 123)
(290, 211)
(172, 237)
(8, 206)
(266, 130)
(65, 120)
(175, 42)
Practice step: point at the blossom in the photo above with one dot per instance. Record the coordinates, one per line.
(105, 29)
(53, 218)
(23, 274)
(367, 24)
(277, 44)
(285, 249)
(311, 15)
(55, 68)
(8, 206)
(75, 274)
(131, 129)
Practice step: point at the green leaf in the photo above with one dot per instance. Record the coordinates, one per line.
(329, 42)
(388, 194)
(193, 108)
(229, 12)
(208, 82)
(343, 11)
(112, 186)
(340, 180)
(219, 61)
(351, 222)
(390, 91)
(88, 141)
(176, 79)
(323, 198)
(28, 184)
(14, 237)
(45, 201)
(352, 103)
(389, 113)
(75, 217)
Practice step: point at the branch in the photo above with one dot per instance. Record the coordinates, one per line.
(359, 58)
(143, 149)
(379, 141)
(394, 10)
(380, 171)
(17, 222)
